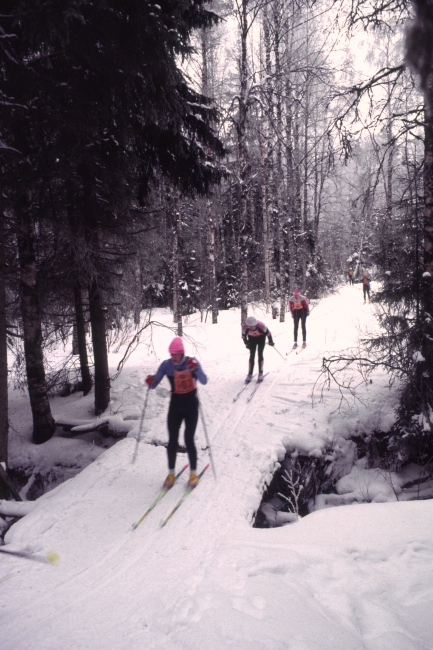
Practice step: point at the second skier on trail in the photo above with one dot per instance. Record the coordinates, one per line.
(254, 334)
(300, 310)
(182, 373)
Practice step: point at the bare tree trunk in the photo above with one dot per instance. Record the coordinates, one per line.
(428, 190)
(4, 422)
(279, 165)
(263, 135)
(80, 330)
(97, 311)
(265, 192)
(305, 183)
(99, 343)
(222, 245)
(268, 169)
(297, 208)
(43, 421)
(242, 152)
(212, 265)
(290, 164)
(320, 176)
(210, 221)
(177, 309)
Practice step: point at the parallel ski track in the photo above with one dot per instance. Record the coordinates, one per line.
(83, 582)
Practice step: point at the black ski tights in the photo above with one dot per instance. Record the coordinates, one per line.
(256, 342)
(182, 407)
(300, 315)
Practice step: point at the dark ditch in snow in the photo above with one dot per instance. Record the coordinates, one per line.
(301, 478)
(39, 478)
(304, 483)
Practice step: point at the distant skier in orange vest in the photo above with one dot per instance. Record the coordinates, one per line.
(300, 310)
(350, 275)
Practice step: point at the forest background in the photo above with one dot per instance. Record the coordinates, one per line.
(202, 157)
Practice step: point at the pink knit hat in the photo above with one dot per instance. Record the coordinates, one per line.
(176, 346)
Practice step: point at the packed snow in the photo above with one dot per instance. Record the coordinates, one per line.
(354, 577)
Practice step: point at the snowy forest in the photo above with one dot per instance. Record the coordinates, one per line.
(201, 157)
(171, 172)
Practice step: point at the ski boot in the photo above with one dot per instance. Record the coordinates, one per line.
(248, 378)
(192, 481)
(295, 345)
(260, 377)
(169, 481)
(304, 345)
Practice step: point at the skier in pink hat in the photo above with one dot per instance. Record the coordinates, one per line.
(182, 373)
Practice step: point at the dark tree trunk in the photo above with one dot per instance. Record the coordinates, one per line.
(100, 355)
(428, 198)
(96, 308)
(241, 128)
(80, 331)
(420, 55)
(43, 422)
(4, 425)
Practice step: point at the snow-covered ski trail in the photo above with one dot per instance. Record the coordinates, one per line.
(208, 579)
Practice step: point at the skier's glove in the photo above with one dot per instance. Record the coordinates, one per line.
(271, 342)
(247, 345)
(149, 379)
(192, 364)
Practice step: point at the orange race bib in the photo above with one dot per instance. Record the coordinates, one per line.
(297, 305)
(183, 382)
(254, 333)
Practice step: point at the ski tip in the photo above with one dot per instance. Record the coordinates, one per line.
(53, 557)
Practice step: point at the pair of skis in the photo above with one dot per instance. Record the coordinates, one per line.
(256, 387)
(162, 494)
(297, 350)
(247, 383)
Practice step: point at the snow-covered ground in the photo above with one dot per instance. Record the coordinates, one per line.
(353, 577)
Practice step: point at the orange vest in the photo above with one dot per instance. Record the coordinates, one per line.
(183, 382)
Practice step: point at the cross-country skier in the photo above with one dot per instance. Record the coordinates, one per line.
(254, 334)
(366, 285)
(300, 310)
(350, 275)
(182, 373)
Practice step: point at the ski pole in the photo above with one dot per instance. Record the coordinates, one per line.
(212, 464)
(279, 352)
(140, 427)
